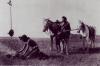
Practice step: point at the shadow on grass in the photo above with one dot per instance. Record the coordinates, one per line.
(43, 56)
(90, 51)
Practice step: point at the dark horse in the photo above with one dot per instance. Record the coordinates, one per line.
(88, 34)
(55, 28)
(92, 34)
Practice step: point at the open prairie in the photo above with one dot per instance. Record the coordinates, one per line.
(77, 57)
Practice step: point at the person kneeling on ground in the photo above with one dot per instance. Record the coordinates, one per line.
(30, 49)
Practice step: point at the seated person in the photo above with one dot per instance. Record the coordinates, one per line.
(30, 49)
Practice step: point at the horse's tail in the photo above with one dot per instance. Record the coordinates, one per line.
(92, 33)
(94, 29)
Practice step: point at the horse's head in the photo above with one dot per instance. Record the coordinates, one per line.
(81, 26)
(46, 25)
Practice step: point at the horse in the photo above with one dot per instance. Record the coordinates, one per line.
(55, 28)
(88, 35)
(92, 34)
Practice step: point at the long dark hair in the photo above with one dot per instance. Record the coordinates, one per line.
(64, 18)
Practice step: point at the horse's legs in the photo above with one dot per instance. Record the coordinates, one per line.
(93, 44)
(51, 42)
(58, 44)
(89, 44)
(66, 46)
(83, 39)
(63, 45)
(58, 47)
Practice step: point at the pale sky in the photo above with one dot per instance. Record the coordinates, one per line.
(28, 15)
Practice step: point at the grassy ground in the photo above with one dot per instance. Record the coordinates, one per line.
(76, 58)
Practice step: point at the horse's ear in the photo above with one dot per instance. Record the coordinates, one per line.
(80, 21)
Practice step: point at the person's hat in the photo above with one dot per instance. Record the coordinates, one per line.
(24, 38)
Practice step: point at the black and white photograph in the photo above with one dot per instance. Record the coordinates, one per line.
(49, 32)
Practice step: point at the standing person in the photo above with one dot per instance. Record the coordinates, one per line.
(66, 25)
(64, 34)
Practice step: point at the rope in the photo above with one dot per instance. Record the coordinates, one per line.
(10, 4)
(65, 31)
(71, 30)
(11, 17)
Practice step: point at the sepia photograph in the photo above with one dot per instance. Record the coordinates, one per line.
(49, 33)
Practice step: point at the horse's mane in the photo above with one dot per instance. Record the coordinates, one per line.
(82, 26)
(48, 20)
